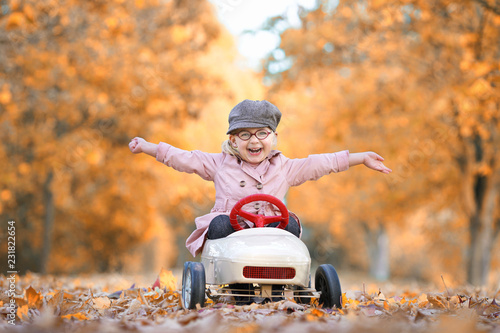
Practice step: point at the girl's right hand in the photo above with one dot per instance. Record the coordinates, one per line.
(136, 145)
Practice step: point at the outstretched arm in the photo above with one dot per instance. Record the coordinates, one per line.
(369, 159)
(139, 145)
(203, 164)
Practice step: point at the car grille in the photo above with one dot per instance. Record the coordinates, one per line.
(281, 273)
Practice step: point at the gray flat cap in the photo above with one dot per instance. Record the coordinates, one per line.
(254, 114)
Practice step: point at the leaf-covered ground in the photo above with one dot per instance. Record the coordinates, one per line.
(110, 304)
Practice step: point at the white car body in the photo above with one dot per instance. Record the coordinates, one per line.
(257, 249)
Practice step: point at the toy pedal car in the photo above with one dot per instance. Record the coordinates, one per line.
(273, 260)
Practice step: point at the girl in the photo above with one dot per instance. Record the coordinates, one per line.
(249, 165)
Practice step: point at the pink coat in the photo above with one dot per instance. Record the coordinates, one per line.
(234, 180)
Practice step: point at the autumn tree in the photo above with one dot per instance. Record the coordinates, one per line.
(416, 81)
(78, 80)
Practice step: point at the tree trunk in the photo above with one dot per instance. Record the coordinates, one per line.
(48, 198)
(480, 202)
(482, 229)
(377, 245)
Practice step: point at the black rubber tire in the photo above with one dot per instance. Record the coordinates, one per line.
(193, 285)
(327, 282)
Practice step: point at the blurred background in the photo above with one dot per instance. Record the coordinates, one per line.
(416, 81)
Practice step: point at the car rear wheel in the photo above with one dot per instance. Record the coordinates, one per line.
(193, 285)
(327, 282)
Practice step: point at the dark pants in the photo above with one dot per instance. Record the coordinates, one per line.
(220, 227)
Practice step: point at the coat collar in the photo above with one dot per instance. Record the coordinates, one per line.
(261, 169)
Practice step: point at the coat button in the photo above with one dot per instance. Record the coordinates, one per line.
(256, 206)
(260, 186)
(242, 183)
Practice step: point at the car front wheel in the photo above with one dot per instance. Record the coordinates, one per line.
(193, 285)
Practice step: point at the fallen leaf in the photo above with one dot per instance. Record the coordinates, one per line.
(422, 300)
(22, 313)
(289, 305)
(420, 316)
(101, 303)
(135, 305)
(166, 280)
(33, 297)
(78, 316)
(344, 298)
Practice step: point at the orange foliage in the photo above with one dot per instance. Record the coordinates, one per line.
(417, 83)
(77, 81)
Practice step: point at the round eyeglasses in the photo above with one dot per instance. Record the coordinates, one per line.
(246, 135)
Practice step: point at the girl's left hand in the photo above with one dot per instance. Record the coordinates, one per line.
(374, 161)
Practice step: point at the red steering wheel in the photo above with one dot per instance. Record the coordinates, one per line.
(258, 220)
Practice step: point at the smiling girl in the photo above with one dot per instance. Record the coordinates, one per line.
(248, 164)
